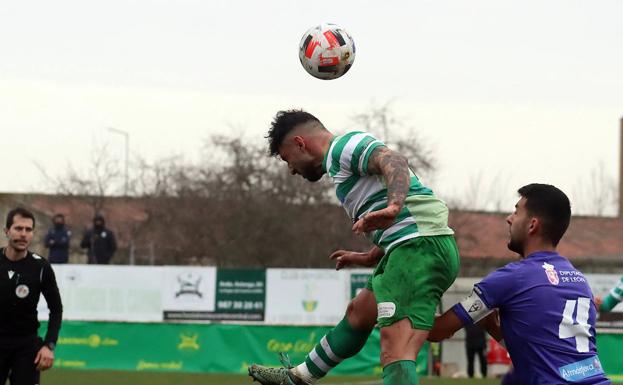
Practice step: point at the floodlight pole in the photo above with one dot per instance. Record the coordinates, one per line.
(126, 136)
(621, 169)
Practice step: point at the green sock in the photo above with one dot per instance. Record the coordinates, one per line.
(400, 373)
(340, 343)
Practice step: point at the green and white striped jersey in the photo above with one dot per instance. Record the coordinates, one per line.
(613, 298)
(346, 162)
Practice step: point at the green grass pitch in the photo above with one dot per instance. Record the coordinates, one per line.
(110, 377)
(107, 377)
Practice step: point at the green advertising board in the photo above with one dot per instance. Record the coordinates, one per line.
(240, 294)
(191, 347)
(220, 348)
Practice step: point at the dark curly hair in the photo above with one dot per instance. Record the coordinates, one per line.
(551, 206)
(283, 123)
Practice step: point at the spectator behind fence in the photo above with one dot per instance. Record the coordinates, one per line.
(475, 344)
(100, 242)
(57, 240)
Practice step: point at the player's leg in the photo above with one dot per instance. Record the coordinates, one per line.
(400, 344)
(408, 289)
(345, 340)
(471, 355)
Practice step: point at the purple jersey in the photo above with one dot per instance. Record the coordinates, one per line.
(547, 318)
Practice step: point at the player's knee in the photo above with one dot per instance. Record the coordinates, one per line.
(387, 357)
(353, 313)
(359, 316)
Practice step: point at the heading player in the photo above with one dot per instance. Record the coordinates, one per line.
(414, 247)
(546, 309)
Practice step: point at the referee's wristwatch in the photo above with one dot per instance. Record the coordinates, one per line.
(50, 345)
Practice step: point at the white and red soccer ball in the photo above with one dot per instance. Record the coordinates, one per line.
(327, 51)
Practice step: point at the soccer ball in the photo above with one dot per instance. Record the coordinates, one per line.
(327, 51)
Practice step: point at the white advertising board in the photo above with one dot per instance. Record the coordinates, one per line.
(157, 293)
(132, 293)
(188, 292)
(108, 293)
(306, 296)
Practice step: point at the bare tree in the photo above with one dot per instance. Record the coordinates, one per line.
(239, 206)
(597, 194)
(396, 133)
(100, 179)
(482, 195)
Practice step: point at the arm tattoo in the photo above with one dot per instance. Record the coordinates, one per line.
(395, 168)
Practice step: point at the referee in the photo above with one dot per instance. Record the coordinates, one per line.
(23, 277)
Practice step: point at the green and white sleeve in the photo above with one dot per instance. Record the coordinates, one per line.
(613, 298)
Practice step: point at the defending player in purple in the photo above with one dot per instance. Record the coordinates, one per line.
(546, 309)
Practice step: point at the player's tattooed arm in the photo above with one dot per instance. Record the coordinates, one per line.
(395, 169)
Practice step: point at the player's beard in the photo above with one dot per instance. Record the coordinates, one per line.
(515, 244)
(312, 173)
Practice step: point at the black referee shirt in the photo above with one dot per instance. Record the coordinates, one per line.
(21, 283)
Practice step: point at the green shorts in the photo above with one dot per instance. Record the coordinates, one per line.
(410, 280)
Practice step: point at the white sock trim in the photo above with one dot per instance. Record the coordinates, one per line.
(327, 349)
(302, 372)
(318, 361)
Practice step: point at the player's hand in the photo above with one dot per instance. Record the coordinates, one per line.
(376, 220)
(598, 302)
(345, 258)
(44, 358)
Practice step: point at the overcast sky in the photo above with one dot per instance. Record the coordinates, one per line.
(505, 92)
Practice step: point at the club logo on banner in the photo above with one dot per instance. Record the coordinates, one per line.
(188, 341)
(189, 292)
(309, 303)
(305, 296)
(189, 284)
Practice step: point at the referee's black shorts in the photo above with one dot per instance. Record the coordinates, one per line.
(17, 360)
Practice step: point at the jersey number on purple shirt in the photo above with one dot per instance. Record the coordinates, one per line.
(580, 331)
